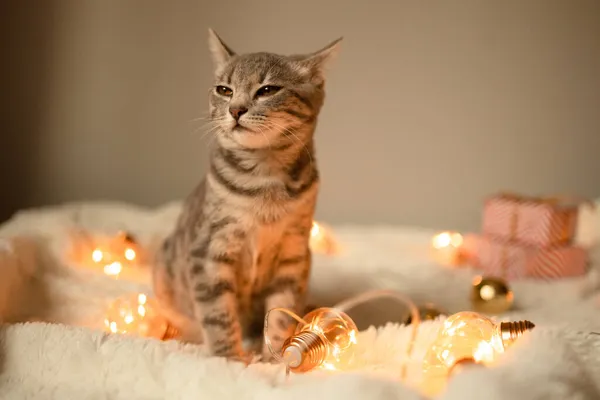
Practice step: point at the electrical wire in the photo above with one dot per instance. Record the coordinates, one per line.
(371, 295)
(266, 329)
(349, 304)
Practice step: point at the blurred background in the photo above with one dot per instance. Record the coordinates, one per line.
(431, 105)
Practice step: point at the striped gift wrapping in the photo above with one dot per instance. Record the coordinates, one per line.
(511, 261)
(529, 221)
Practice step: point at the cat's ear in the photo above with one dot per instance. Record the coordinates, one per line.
(221, 53)
(319, 61)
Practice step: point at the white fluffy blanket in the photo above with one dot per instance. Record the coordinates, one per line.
(558, 360)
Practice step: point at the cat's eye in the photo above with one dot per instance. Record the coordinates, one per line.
(224, 91)
(267, 90)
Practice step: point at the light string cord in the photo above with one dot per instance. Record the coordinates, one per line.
(346, 305)
(371, 295)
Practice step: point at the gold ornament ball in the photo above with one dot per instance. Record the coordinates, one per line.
(490, 295)
(427, 312)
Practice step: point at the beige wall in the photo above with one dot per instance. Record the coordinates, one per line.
(431, 105)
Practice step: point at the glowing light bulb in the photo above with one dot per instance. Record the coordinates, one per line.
(446, 239)
(447, 248)
(116, 254)
(325, 341)
(113, 269)
(467, 337)
(97, 255)
(136, 315)
(130, 254)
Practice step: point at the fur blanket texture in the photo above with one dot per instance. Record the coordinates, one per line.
(53, 344)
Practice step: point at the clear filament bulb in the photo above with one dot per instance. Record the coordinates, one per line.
(135, 315)
(130, 254)
(324, 339)
(466, 336)
(116, 254)
(97, 255)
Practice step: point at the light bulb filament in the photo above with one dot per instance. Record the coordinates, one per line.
(130, 254)
(97, 255)
(113, 268)
(142, 298)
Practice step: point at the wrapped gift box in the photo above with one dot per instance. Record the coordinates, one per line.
(528, 220)
(510, 260)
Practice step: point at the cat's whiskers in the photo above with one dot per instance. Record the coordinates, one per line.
(214, 122)
(292, 135)
(204, 118)
(208, 119)
(212, 127)
(265, 136)
(210, 132)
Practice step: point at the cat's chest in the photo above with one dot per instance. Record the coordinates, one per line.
(263, 249)
(269, 208)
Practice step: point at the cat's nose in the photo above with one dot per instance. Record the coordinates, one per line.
(237, 112)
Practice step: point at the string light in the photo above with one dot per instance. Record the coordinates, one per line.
(113, 269)
(115, 253)
(136, 315)
(97, 255)
(325, 338)
(467, 337)
(130, 254)
(446, 248)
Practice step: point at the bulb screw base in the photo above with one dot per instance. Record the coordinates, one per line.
(511, 331)
(304, 351)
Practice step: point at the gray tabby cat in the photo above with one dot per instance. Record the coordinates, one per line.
(241, 244)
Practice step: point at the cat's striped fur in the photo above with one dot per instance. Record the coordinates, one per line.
(241, 243)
